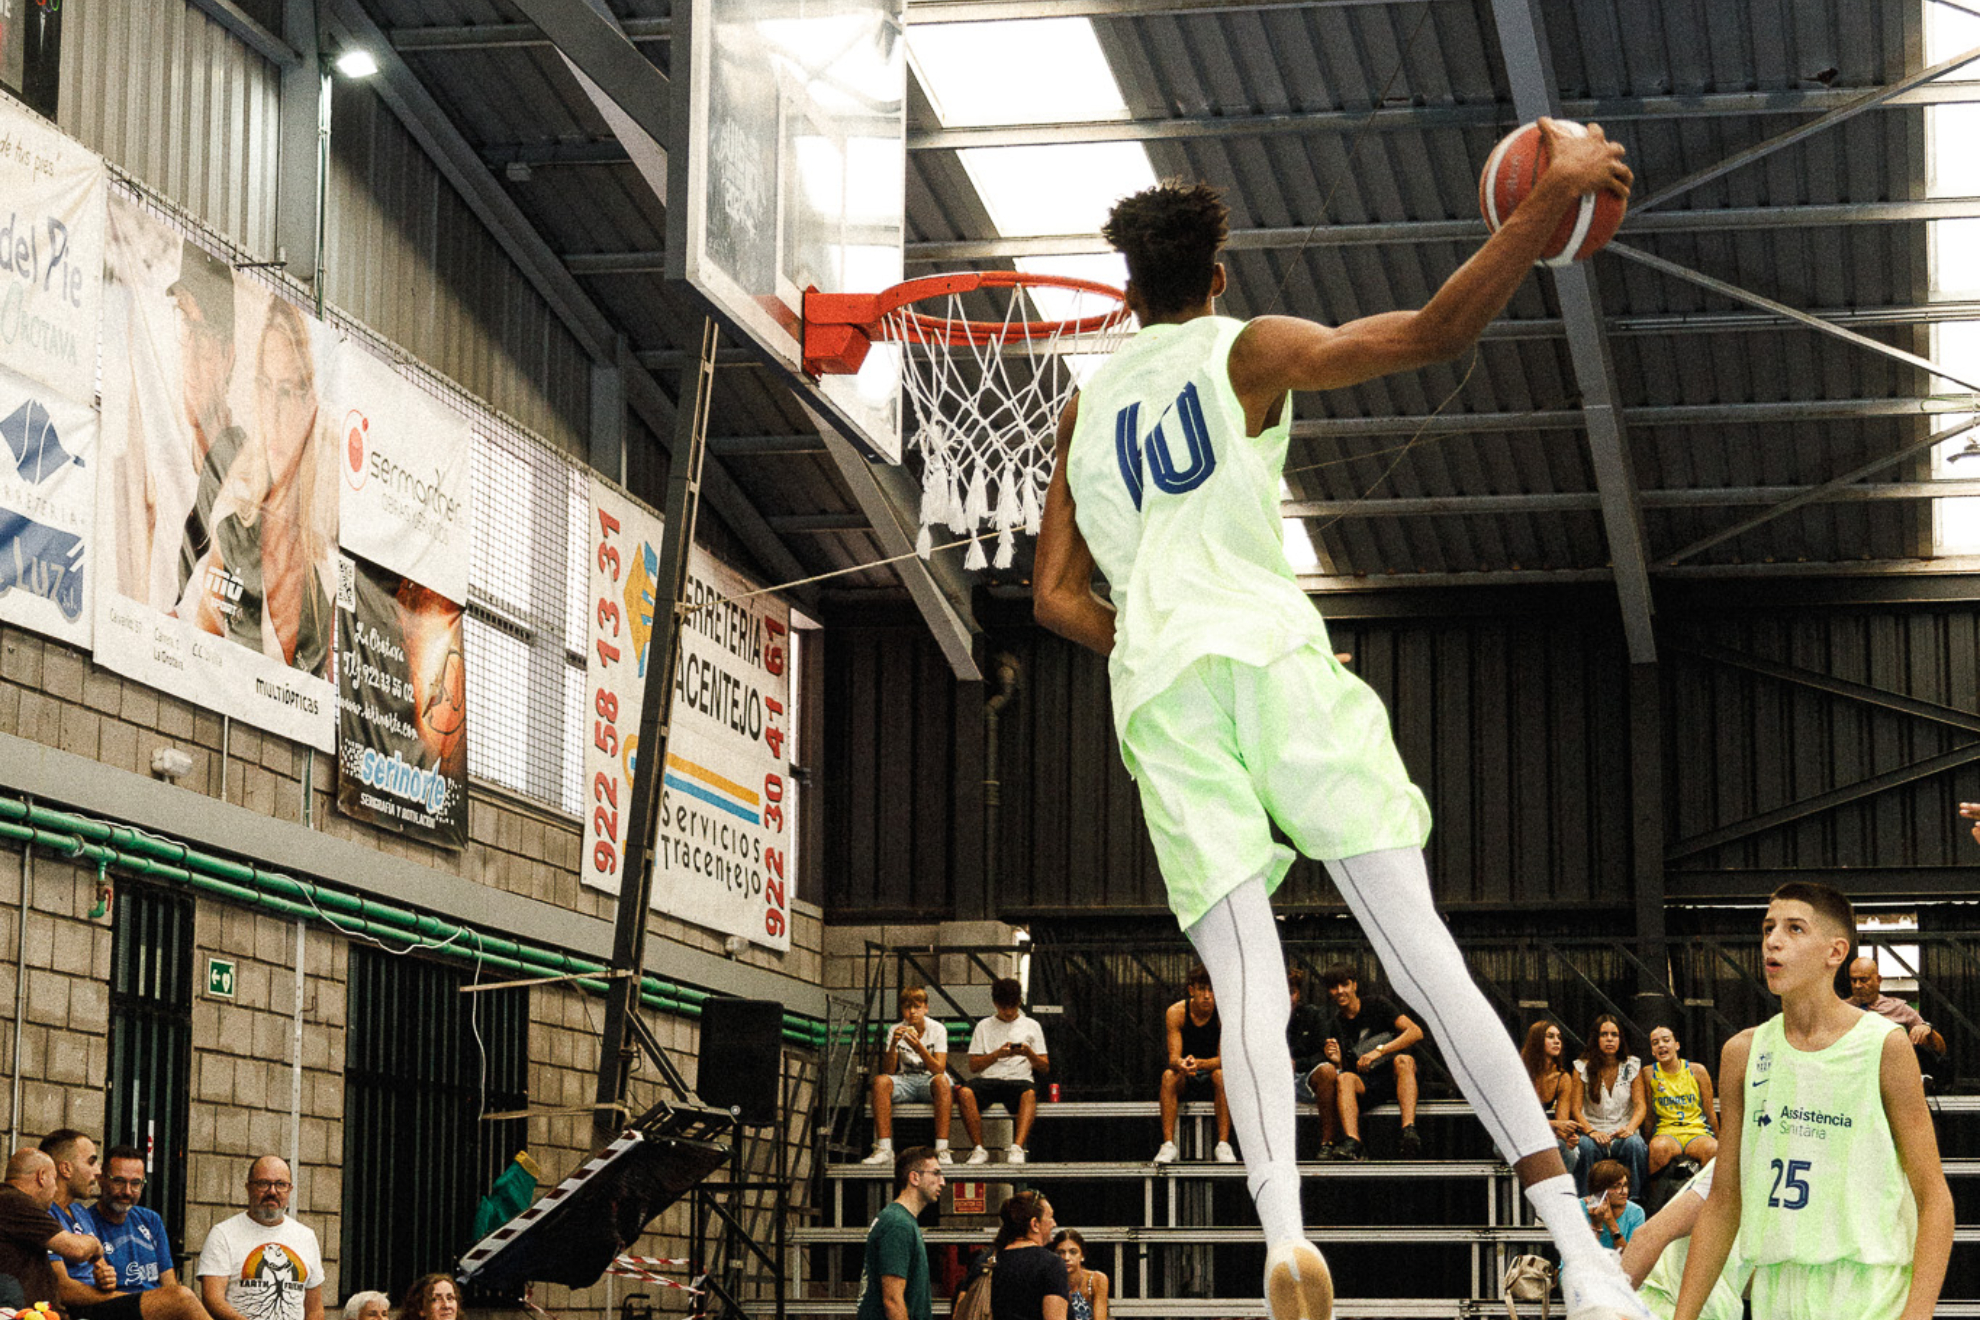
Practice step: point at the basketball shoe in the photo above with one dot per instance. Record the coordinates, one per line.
(1298, 1285)
(1600, 1291)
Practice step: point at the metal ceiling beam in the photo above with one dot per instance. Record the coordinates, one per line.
(1815, 493)
(983, 11)
(1317, 584)
(1472, 229)
(813, 524)
(622, 85)
(1841, 114)
(1737, 322)
(450, 153)
(1530, 69)
(1765, 304)
(1704, 497)
(1607, 110)
(499, 36)
(243, 25)
(1683, 414)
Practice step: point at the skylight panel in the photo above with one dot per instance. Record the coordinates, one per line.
(1062, 189)
(1021, 71)
(1956, 524)
(1949, 31)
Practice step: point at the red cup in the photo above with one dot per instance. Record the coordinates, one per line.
(1052, 1092)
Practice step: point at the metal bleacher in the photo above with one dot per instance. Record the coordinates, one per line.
(1191, 1248)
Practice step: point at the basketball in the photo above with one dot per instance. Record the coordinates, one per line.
(1515, 165)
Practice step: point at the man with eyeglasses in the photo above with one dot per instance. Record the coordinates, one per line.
(893, 1281)
(132, 1279)
(262, 1264)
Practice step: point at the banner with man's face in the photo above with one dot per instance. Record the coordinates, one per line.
(217, 487)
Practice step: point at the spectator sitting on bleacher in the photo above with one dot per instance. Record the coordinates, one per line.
(1313, 1077)
(1608, 1104)
(913, 1069)
(1614, 1216)
(1866, 991)
(1195, 1035)
(1006, 1054)
(1089, 1288)
(1681, 1097)
(1552, 1083)
(1369, 1045)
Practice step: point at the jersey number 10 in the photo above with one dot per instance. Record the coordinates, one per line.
(1161, 466)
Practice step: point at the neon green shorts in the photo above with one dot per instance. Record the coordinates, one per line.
(1229, 748)
(1826, 1292)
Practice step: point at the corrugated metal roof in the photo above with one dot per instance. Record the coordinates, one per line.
(1654, 67)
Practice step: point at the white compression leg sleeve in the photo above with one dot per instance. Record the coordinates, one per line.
(1239, 943)
(1389, 892)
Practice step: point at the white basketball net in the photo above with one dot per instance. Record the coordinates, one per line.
(986, 413)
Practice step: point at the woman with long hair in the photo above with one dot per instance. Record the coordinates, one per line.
(1608, 1103)
(1028, 1282)
(1681, 1094)
(264, 582)
(1089, 1287)
(431, 1297)
(1542, 1053)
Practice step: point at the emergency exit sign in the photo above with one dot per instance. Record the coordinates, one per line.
(219, 978)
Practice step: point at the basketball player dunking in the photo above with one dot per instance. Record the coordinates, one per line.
(1231, 709)
(1832, 1182)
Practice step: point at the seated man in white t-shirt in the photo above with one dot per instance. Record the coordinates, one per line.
(913, 1070)
(1006, 1054)
(262, 1264)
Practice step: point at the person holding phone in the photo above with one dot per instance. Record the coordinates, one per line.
(1006, 1055)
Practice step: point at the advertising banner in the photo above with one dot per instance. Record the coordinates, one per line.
(726, 833)
(217, 489)
(47, 508)
(404, 459)
(51, 249)
(401, 705)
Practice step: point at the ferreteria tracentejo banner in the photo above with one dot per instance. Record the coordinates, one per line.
(217, 488)
(726, 834)
(51, 300)
(402, 705)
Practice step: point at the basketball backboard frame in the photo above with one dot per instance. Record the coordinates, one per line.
(788, 170)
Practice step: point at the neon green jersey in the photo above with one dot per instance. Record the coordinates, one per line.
(1660, 1287)
(1181, 510)
(1819, 1177)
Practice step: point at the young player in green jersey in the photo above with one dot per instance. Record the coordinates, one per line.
(1832, 1181)
(1231, 709)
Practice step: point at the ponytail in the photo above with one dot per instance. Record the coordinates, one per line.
(1019, 1213)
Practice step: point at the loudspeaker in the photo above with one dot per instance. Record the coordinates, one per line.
(741, 1056)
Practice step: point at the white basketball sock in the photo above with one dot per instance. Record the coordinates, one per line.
(1239, 943)
(1560, 1210)
(1389, 892)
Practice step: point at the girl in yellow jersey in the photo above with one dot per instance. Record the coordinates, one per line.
(1681, 1098)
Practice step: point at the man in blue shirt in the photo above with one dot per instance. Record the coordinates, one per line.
(133, 1279)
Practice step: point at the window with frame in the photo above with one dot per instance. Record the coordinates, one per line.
(423, 1063)
(150, 1072)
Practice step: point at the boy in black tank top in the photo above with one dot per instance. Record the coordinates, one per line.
(1195, 1064)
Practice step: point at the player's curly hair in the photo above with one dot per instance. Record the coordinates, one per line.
(1170, 235)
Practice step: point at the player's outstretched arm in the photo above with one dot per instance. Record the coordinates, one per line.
(1918, 1151)
(1718, 1224)
(1278, 353)
(1062, 571)
(1676, 1220)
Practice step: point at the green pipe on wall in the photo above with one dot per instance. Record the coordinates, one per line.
(148, 855)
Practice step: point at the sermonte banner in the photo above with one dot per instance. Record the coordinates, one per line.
(51, 254)
(401, 705)
(403, 458)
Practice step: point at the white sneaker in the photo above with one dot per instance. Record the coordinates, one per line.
(942, 1156)
(1168, 1153)
(1015, 1155)
(880, 1155)
(981, 1155)
(1298, 1285)
(1225, 1155)
(1600, 1291)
